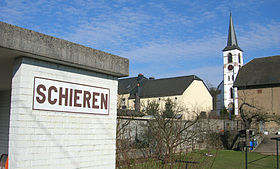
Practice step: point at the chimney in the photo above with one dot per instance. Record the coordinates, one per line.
(140, 77)
(137, 94)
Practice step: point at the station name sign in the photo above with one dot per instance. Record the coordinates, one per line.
(55, 95)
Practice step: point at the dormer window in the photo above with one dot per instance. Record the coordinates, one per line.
(229, 58)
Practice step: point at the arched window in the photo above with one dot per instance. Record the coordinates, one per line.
(239, 58)
(229, 58)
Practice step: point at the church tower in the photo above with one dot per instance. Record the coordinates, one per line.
(233, 60)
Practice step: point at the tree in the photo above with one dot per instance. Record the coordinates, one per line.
(224, 113)
(169, 109)
(152, 108)
(214, 93)
(166, 133)
(252, 112)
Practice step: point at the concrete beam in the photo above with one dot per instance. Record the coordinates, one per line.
(24, 42)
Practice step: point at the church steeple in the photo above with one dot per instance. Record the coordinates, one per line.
(232, 40)
(233, 60)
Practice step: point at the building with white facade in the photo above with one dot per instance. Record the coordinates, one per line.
(188, 92)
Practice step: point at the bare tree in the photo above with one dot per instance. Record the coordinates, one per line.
(122, 141)
(167, 131)
(253, 112)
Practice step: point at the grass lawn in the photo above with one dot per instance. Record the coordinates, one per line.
(234, 160)
(222, 159)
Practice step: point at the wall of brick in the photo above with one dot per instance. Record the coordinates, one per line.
(4, 121)
(47, 139)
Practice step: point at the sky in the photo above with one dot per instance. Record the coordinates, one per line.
(161, 38)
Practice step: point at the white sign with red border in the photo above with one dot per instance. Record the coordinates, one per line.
(56, 95)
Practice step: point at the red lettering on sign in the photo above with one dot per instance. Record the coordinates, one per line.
(63, 96)
(71, 97)
(43, 99)
(54, 95)
(104, 101)
(94, 100)
(87, 97)
(50, 95)
(76, 98)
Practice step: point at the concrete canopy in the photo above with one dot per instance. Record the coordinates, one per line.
(19, 42)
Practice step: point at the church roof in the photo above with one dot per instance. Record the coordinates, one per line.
(232, 40)
(166, 86)
(259, 72)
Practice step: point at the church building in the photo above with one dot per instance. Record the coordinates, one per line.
(233, 60)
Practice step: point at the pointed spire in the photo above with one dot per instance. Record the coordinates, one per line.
(232, 40)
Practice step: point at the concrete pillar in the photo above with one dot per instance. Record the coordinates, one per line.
(55, 139)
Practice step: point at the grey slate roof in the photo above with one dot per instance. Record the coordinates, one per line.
(232, 40)
(127, 85)
(259, 72)
(165, 87)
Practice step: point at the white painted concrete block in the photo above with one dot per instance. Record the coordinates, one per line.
(54, 139)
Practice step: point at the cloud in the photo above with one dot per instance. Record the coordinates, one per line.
(256, 36)
(211, 75)
(160, 38)
(168, 50)
(162, 58)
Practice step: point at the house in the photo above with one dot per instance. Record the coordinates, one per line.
(258, 83)
(188, 92)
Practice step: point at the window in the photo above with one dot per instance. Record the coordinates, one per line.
(123, 101)
(229, 58)
(232, 78)
(239, 58)
(231, 92)
(259, 91)
(228, 78)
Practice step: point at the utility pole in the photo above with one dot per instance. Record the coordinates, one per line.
(277, 153)
(247, 140)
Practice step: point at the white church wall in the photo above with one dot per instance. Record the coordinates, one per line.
(230, 76)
